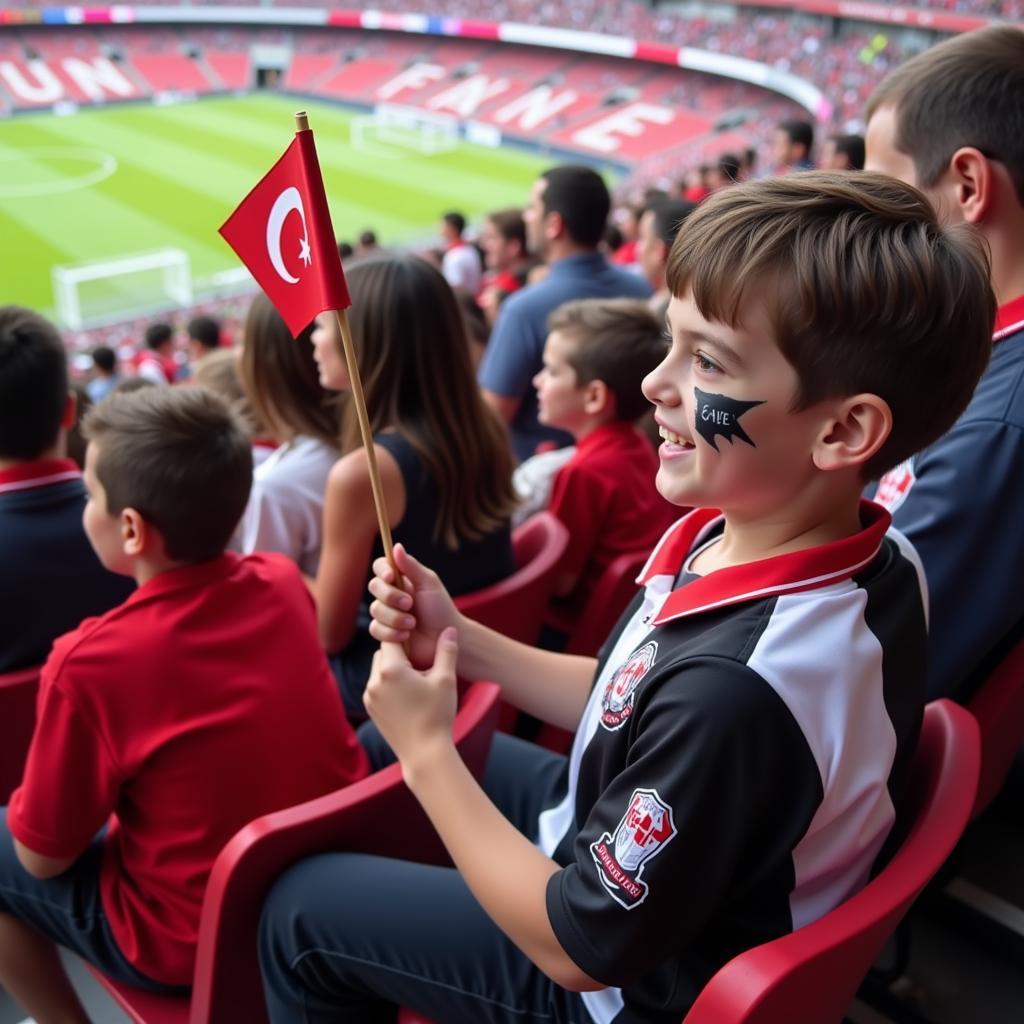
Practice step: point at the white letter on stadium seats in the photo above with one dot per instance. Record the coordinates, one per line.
(535, 107)
(97, 76)
(47, 90)
(630, 121)
(464, 97)
(416, 77)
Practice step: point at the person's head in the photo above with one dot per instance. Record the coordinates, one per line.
(414, 361)
(160, 338)
(824, 328)
(503, 239)
(35, 408)
(453, 224)
(104, 361)
(843, 153)
(281, 380)
(168, 471)
(367, 240)
(568, 210)
(792, 142)
(726, 171)
(749, 158)
(345, 250)
(658, 228)
(220, 373)
(203, 336)
(596, 355)
(951, 122)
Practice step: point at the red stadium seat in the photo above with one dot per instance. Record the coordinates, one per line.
(17, 723)
(227, 987)
(811, 975)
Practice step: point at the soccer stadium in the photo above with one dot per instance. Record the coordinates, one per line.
(510, 512)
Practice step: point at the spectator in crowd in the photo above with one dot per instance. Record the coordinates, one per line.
(367, 242)
(75, 441)
(443, 456)
(659, 226)
(51, 579)
(156, 362)
(843, 153)
(696, 184)
(460, 263)
(748, 167)
(104, 373)
(565, 222)
(951, 121)
(506, 258)
(725, 172)
(478, 330)
(282, 384)
(596, 355)
(155, 719)
(203, 337)
(792, 145)
(345, 251)
(692, 819)
(626, 220)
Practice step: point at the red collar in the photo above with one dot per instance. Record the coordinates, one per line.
(1009, 319)
(27, 475)
(199, 575)
(783, 574)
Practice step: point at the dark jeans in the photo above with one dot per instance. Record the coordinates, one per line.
(67, 909)
(348, 937)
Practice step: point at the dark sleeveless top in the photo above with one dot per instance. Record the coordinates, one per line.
(469, 567)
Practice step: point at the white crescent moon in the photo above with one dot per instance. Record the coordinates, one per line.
(290, 199)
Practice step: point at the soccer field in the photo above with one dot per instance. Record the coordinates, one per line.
(107, 183)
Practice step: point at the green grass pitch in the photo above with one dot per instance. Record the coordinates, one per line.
(118, 181)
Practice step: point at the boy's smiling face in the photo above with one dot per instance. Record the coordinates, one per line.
(723, 397)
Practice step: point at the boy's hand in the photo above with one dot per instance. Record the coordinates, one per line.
(414, 617)
(414, 710)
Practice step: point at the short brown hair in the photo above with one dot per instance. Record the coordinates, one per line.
(865, 290)
(967, 91)
(180, 458)
(510, 225)
(618, 341)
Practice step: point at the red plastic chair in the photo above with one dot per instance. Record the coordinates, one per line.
(608, 600)
(999, 708)
(18, 691)
(811, 975)
(227, 988)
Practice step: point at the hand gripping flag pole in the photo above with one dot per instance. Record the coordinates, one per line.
(282, 232)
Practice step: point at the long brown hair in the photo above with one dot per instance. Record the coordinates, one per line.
(415, 365)
(281, 380)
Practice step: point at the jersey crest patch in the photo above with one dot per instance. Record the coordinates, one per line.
(644, 831)
(895, 485)
(619, 694)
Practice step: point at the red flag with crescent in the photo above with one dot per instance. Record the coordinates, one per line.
(282, 232)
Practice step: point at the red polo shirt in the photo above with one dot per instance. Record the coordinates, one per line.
(605, 495)
(201, 703)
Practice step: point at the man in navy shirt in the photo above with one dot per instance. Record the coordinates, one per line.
(565, 220)
(51, 577)
(957, 133)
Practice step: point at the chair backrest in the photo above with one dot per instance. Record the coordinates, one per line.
(18, 692)
(811, 975)
(515, 606)
(607, 601)
(363, 817)
(998, 706)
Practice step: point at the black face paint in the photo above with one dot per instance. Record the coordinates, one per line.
(719, 414)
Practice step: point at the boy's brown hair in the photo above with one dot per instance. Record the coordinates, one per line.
(865, 290)
(617, 341)
(967, 91)
(180, 458)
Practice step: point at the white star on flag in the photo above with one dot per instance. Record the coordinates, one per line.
(304, 253)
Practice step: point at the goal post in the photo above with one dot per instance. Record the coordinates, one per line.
(403, 127)
(121, 283)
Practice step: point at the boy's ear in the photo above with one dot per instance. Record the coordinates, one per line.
(554, 225)
(598, 399)
(859, 426)
(137, 535)
(973, 182)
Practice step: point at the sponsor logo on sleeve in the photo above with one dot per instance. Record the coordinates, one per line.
(895, 485)
(619, 695)
(621, 856)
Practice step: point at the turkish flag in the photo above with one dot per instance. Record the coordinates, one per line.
(282, 232)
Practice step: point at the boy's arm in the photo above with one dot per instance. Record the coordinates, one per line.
(39, 866)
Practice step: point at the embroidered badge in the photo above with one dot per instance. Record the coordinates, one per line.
(617, 699)
(895, 485)
(620, 856)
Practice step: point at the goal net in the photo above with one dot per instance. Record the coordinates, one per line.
(130, 285)
(401, 127)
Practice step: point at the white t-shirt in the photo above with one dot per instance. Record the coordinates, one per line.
(461, 268)
(285, 510)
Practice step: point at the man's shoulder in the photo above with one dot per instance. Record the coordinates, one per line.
(622, 283)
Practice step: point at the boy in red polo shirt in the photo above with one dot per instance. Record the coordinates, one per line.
(597, 353)
(202, 702)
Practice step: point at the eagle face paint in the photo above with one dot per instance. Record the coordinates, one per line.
(720, 414)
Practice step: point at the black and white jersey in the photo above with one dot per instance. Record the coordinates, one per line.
(737, 768)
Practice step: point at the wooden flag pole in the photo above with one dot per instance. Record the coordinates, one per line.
(341, 315)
